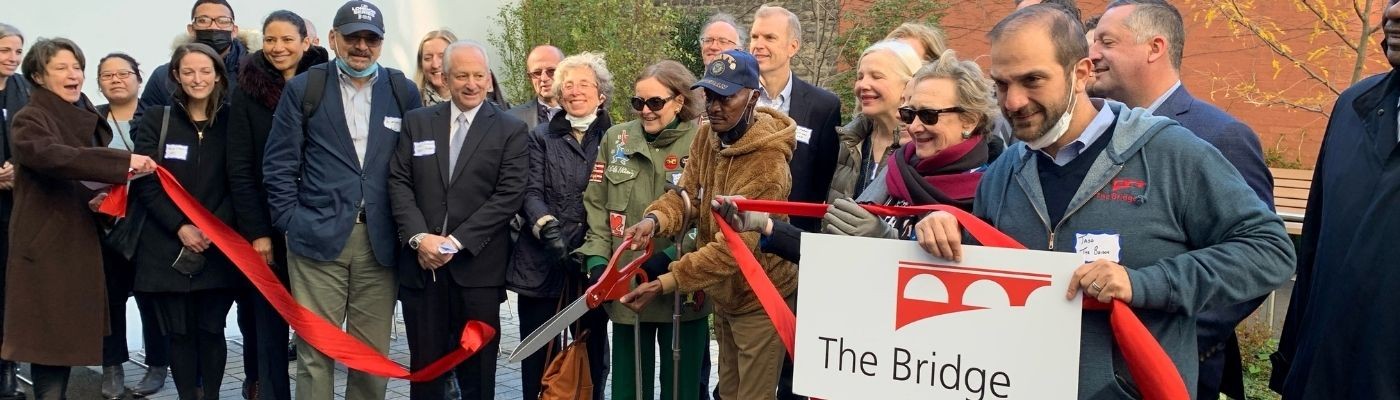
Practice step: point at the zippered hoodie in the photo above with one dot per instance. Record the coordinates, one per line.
(756, 167)
(1192, 235)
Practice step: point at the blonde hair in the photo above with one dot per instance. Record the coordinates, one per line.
(590, 60)
(907, 58)
(974, 91)
(933, 40)
(443, 34)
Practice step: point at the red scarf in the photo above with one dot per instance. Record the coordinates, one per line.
(941, 179)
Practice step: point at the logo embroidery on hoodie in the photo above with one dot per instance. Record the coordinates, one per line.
(1126, 190)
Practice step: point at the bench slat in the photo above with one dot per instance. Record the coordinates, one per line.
(1290, 193)
(1300, 174)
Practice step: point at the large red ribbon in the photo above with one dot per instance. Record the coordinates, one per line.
(1156, 375)
(321, 334)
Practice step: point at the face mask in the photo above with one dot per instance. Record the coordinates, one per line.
(218, 39)
(742, 126)
(340, 63)
(581, 123)
(1053, 134)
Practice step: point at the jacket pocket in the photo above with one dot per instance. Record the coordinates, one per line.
(314, 201)
(620, 187)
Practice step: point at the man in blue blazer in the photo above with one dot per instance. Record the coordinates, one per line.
(1146, 74)
(326, 168)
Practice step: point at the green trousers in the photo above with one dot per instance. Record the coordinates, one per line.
(693, 342)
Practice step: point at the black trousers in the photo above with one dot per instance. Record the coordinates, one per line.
(119, 273)
(534, 312)
(194, 322)
(265, 339)
(433, 317)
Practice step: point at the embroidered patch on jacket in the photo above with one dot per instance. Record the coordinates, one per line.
(597, 175)
(1124, 190)
(672, 162)
(617, 222)
(618, 156)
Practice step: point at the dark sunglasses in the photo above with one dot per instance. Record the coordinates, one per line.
(542, 72)
(654, 103)
(929, 116)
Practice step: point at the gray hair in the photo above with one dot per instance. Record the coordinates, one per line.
(903, 53)
(590, 60)
(728, 19)
(7, 30)
(974, 91)
(462, 44)
(794, 26)
(933, 39)
(1155, 18)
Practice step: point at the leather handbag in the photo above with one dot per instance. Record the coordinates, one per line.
(568, 376)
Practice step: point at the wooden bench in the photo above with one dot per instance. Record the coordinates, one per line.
(1291, 188)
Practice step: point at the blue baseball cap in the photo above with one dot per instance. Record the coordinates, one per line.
(734, 69)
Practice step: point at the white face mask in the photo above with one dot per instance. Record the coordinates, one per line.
(581, 123)
(1053, 134)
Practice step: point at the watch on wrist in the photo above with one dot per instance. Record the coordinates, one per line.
(415, 241)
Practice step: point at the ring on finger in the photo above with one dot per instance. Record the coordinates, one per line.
(1096, 287)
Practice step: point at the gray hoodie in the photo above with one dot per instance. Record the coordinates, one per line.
(1193, 235)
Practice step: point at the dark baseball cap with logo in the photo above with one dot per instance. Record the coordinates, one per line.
(357, 16)
(733, 70)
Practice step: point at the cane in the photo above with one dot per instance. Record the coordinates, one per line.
(676, 307)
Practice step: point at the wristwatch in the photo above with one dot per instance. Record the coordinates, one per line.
(414, 241)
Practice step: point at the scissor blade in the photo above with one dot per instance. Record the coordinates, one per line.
(551, 329)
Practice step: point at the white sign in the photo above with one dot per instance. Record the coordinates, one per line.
(891, 322)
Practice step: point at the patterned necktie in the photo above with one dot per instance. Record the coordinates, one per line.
(457, 138)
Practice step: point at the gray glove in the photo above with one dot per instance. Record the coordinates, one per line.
(741, 221)
(845, 217)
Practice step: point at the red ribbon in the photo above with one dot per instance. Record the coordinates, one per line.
(1156, 375)
(321, 334)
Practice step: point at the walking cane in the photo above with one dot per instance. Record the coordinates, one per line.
(676, 307)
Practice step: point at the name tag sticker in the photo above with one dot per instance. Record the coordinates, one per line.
(804, 134)
(393, 123)
(424, 148)
(177, 152)
(1097, 245)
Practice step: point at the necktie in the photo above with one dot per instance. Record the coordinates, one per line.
(457, 138)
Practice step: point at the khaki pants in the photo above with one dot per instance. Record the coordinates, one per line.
(356, 291)
(750, 355)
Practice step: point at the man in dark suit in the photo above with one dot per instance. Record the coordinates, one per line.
(457, 178)
(327, 177)
(1146, 74)
(776, 35)
(539, 65)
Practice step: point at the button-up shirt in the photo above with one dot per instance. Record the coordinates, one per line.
(457, 113)
(779, 102)
(1152, 109)
(357, 101)
(1096, 128)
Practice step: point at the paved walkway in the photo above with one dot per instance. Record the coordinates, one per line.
(84, 384)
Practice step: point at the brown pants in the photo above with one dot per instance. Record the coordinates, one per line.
(750, 354)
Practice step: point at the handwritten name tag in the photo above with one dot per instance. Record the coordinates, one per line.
(1097, 245)
(393, 123)
(424, 148)
(177, 152)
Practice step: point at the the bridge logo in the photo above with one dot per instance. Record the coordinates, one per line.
(909, 309)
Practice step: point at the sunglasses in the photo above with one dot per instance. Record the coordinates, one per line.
(929, 116)
(542, 72)
(654, 103)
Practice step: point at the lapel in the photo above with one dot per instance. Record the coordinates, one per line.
(332, 101)
(480, 128)
(441, 122)
(1179, 103)
(1377, 110)
(383, 106)
(798, 110)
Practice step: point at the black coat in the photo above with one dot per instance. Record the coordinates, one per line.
(16, 96)
(1339, 339)
(204, 173)
(814, 161)
(250, 120)
(559, 168)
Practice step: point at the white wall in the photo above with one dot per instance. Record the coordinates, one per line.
(147, 29)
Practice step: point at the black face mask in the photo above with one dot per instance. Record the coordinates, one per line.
(219, 40)
(740, 127)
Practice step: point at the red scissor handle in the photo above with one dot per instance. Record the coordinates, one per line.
(615, 282)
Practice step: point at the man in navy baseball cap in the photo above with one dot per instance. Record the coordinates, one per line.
(731, 86)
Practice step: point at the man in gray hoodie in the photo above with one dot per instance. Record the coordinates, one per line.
(1180, 229)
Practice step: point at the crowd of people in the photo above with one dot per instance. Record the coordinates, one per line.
(362, 187)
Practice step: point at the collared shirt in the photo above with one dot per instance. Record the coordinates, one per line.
(357, 101)
(545, 112)
(457, 113)
(1152, 109)
(780, 102)
(1096, 128)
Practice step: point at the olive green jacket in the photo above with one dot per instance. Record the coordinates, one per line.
(629, 174)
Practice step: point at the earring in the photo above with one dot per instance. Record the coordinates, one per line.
(967, 134)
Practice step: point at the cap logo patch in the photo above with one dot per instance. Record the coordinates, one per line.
(364, 12)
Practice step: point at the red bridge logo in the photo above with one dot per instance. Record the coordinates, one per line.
(1017, 285)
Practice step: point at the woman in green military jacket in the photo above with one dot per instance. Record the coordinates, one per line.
(635, 162)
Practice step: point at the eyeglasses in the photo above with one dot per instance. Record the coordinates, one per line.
(542, 73)
(929, 116)
(654, 103)
(722, 41)
(204, 22)
(369, 40)
(118, 75)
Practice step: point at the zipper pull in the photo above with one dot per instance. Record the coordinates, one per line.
(1052, 240)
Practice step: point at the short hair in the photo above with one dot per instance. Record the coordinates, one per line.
(1068, 6)
(933, 39)
(461, 44)
(794, 25)
(44, 51)
(974, 90)
(216, 97)
(440, 34)
(1155, 18)
(135, 66)
(1065, 32)
(592, 61)
(907, 58)
(1092, 23)
(676, 78)
(7, 30)
(224, 3)
(728, 19)
(288, 17)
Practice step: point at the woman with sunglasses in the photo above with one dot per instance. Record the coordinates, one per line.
(635, 163)
(949, 110)
(561, 156)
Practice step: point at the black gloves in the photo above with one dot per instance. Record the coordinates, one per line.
(551, 235)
